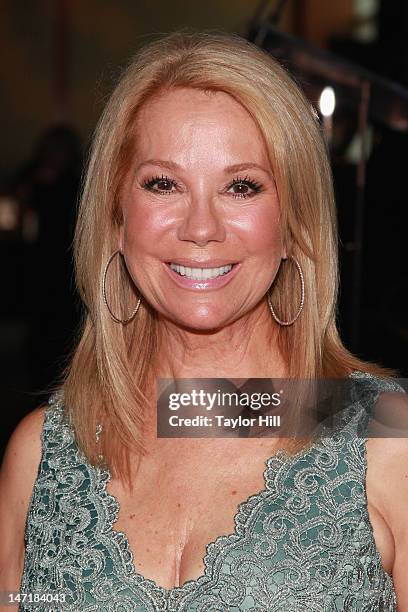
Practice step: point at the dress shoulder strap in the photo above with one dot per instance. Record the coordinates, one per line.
(57, 432)
(365, 391)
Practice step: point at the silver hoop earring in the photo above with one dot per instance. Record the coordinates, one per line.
(302, 298)
(114, 317)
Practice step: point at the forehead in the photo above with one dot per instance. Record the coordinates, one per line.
(183, 118)
(191, 99)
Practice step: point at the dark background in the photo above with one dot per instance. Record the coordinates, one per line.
(59, 60)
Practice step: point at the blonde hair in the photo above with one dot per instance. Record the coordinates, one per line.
(107, 378)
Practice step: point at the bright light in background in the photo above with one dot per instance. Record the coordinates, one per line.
(327, 102)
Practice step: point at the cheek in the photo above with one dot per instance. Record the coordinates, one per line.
(261, 230)
(143, 229)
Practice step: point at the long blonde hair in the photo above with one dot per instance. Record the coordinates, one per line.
(106, 381)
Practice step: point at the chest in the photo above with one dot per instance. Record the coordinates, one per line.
(179, 505)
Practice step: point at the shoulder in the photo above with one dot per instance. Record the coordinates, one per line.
(22, 458)
(385, 402)
(387, 439)
(387, 455)
(387, 476)
(24, 447)
(17, 476)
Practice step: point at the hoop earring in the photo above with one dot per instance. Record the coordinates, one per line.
(302, 298)
(105, 299)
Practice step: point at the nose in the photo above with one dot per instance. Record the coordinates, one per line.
(202, 222)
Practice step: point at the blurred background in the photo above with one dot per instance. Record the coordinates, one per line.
(60, 59)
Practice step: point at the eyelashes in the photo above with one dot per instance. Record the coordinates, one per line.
(243, 187)
(242, 184)
(164, 184)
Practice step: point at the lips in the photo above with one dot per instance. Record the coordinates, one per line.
(204, 284)
(205, 263)
(200, 273)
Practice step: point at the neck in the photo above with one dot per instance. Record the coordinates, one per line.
(246, 348)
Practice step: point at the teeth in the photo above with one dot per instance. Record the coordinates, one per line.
(200, 273)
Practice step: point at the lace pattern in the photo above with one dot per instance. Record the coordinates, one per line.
(305, 542)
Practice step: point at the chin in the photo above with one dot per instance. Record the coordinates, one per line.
(199, 321)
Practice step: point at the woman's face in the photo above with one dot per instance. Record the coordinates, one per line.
(200, 196)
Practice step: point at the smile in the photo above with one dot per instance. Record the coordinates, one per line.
(202, 279)
(201, 273)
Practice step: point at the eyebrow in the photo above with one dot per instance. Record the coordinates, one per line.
(173, 166)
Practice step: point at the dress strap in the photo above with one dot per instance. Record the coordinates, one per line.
(365, 392)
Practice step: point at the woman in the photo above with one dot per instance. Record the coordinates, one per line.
(207, 202)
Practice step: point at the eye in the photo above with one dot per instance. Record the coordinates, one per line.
(243, 187)
(160, 184)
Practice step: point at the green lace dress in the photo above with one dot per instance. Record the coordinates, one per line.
(303, 543)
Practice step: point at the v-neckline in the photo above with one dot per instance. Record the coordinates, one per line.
(275, 466)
